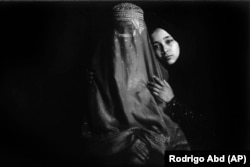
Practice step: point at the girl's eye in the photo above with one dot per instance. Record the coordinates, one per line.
(156, 46)
(168, 41)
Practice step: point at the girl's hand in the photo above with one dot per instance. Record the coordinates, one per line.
(161, 89)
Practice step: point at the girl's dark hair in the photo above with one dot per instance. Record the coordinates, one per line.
(154, 21)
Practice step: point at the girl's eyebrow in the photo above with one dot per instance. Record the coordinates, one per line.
(156, 42)
(166, 37)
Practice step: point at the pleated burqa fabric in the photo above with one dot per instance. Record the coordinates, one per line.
(123, 113)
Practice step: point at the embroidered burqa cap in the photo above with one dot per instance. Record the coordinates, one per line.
(122, 109)
(127, 11)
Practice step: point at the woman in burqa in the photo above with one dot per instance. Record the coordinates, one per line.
(126, 124)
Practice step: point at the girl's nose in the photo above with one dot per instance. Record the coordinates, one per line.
(165, 49)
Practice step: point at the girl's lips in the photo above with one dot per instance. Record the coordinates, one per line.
(167, 56)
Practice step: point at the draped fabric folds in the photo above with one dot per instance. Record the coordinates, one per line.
(122, 109)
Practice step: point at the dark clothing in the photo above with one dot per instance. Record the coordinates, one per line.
(193, 124)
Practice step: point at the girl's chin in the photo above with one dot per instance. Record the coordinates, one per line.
(170, 62)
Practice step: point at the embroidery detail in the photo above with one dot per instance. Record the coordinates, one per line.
(130, 12)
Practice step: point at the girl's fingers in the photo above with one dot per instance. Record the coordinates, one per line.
(156, 90)
(156, 93)
(166, 83)
(152, 84)
(157, 80)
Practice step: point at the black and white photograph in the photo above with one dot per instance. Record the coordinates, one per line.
(120, 83)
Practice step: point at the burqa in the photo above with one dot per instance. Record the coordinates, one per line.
(124, 118)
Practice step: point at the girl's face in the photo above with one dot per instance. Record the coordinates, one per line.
(165, 47)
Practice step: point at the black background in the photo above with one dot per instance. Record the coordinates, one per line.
(46, 48)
